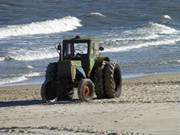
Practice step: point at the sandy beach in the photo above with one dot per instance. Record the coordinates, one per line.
(148, 105)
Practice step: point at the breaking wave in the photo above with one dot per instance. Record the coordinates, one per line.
(45, 27)
(178, 61)
(173, 62)
(148, 37)
(159, 28)
(166, 17)
(30, 55)
(19, 78)
(151, 34)
(97, 14)
(148, 44)
(153, 28)
(30, 67)
(2, 59)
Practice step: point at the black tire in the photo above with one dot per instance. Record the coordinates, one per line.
(112, 80)
(99, 82)
(51, 71)
(51, 89)
(48, 88)
(48, 92)
(65, 93)
(86, 90)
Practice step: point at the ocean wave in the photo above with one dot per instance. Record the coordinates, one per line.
(5, 58)
(150, 31)
(45, 27)
(97, 14)
(34, 74)
(166, 17)
(173, 62)
(151, 34)
(177, 61)
(19, 78)
(137, 46)
(30, 67)
(157, 28)
(2, 59)
(145, 37)
(30, 55)
(152, 28)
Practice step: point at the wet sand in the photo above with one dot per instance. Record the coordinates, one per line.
(148, 105)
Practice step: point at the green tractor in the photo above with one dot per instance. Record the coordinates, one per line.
(81, 66)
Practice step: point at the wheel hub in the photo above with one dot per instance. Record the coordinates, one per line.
(87, 91)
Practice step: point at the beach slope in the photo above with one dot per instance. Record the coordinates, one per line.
(148, 105)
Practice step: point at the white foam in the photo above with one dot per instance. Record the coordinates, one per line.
(152, 29)
(30, 67)
(97, 14)
(148, 37)
(18, 79)
(158, 29)
(2, 58)
(34, 74)
(178, 61)
(147, 44)
(154, 34)
(45, 27)
(29, 55)
(166, 17)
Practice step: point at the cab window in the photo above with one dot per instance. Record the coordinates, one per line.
(68, 50)
(80, 48)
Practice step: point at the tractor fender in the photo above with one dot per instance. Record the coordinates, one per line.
(98, 63)
(100, 60)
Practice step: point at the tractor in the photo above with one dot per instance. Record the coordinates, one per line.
(81, 66)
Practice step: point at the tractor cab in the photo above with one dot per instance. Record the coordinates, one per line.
(75, 50)
(85, 50)
(79, 48)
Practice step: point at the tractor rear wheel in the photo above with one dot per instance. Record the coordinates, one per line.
(99, 82)
(51, 71)
(112, 80)
(86, 90)
(48, 89)
(65, 93)
(51, 90)
(48, 92)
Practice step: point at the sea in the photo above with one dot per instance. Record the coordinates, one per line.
(143, 36)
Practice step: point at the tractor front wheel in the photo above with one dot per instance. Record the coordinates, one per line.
(86, 90)
(48, 88)
(48, 92)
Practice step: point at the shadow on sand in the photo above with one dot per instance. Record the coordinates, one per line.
(20, 103)
(34, 102)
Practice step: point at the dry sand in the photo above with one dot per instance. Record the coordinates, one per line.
(148, 105)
